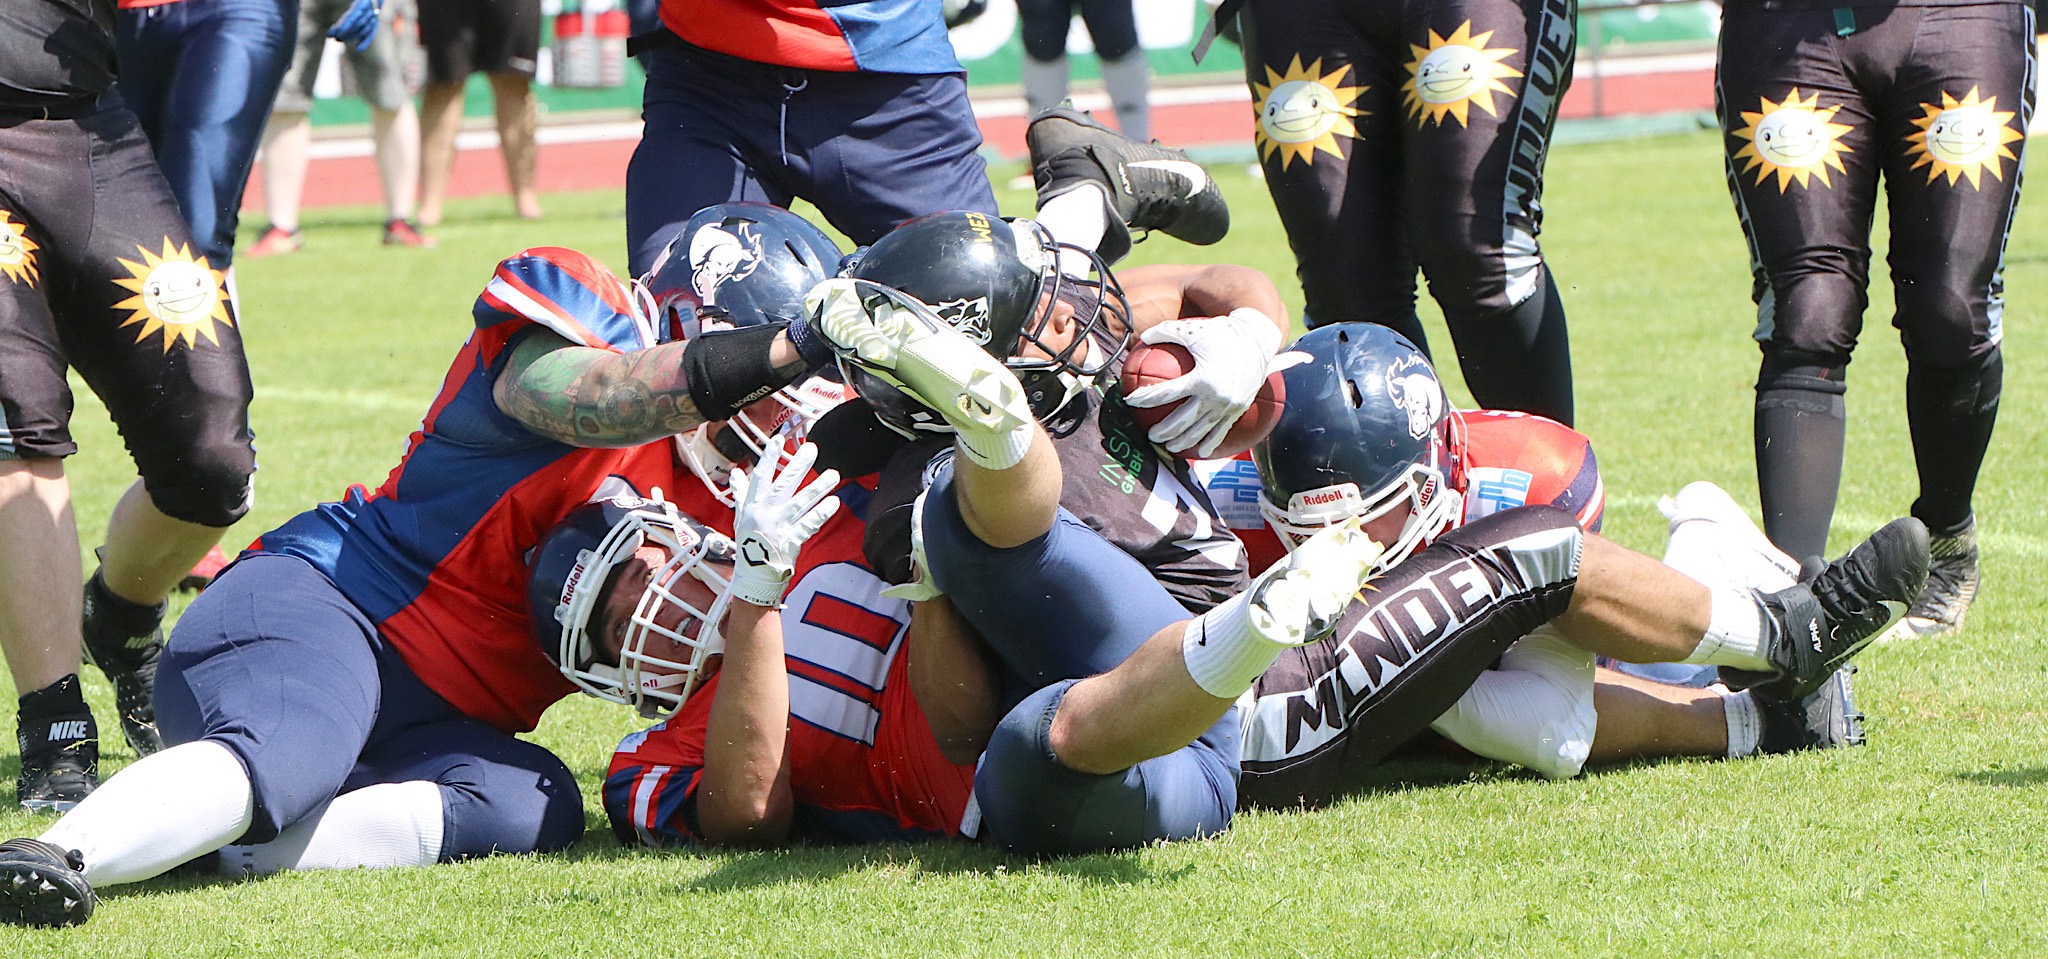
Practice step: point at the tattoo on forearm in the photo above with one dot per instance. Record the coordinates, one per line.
(587, 397)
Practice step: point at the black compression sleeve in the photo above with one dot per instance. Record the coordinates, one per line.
(729, 369)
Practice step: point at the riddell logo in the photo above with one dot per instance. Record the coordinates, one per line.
(1321, 497)
(70, 729)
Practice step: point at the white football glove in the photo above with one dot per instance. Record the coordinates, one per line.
(772, 518)
(1233, 356)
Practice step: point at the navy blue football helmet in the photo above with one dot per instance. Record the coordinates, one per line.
(739, 265)
(569, 575)
(736, 265)
(997, 281)
(1367, 430)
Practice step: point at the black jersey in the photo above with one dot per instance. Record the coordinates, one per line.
(55, 51)
(1144, 500)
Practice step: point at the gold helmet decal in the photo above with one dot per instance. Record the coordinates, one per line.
(175, 293)
(17, 251)
(1453, 73)
(1963, 138)
(1303, 111)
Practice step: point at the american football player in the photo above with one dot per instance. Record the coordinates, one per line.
(1118, 720)
(390, 647)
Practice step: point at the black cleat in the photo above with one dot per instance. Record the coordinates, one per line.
(43, 885)
(60, 748)
(1814, 627)
(1951, 585)
(1826, 719)
(1152, 187)
(125, 641)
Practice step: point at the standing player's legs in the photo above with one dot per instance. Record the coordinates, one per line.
(1955, 137)
(518, 117)
(1046, 72)
(1126, 74)
(1803, 166)
(1326, 78)
(288, 137)
(872, 150)
(1478, 115)
(699, 112)
(394, 124)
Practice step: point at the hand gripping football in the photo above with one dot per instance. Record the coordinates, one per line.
(1147, 365)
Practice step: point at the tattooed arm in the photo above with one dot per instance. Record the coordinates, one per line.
(597, 398)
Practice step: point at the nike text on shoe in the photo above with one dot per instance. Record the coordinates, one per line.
(1814, 627)
(901, 341)
(1951, 585)
(59, 748)
(1152, 187)
(1826, 718)
(43, 885)
(1299, 600)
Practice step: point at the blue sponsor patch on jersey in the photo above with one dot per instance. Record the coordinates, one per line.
(1492, 489)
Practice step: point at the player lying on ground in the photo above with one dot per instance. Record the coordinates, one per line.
(393, 646)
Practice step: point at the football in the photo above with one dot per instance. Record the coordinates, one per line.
(1148, 364)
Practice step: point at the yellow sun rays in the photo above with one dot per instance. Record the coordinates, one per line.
(174, 293)
(1963, 138)
(17, 251)
(1302, 111)
(1792, 138)
(1453, 73)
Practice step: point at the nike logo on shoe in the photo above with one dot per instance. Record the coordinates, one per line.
(1198, 178)
(69, 729)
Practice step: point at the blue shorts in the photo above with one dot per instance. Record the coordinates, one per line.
(274, 663)
(201, 76)
(1061, 608)
(870, 150)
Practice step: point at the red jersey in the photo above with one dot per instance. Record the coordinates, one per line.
(863, 764)
(1508, 460)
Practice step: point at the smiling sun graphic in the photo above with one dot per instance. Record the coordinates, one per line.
(1455, 72)
(174, 293)
(1302, 111)
(17, 251)
(1793, 139)
(1963, 138)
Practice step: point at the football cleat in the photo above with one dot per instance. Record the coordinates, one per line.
(1299, 600)
(60, 748)
(1150, 186)
(1951, 586)
(1826, 718)
(202, 573)
(902, 342)
(125, 641)
(1811, 629)
(405, 233)
(43, 885)
(275, 242)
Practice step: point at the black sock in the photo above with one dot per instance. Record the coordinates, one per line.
(1801, 420)
(1520, 359)
(1951, 413)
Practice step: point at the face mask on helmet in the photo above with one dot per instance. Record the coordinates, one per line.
(999, 283)
(674, 623)
(1367, 432)
(784, 416)
(738, 265)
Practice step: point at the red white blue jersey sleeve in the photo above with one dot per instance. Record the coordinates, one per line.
(862, 761)
(435, 556)
(876, 36)
(1510, 460)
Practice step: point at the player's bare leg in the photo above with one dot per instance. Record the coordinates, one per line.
(518, 115)
(40, 638)
(440, 121)
(286, 143)
(1643, 719)
(396, 134)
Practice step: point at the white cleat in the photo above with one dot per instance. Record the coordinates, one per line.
(1712, 540)
(900, 340)
(1300, 599)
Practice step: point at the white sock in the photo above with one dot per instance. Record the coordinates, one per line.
(1045, 83)
(1734, 634)
(1745, 723)
(1129, 82)
(375, 827)
(1078, 216)
(996, 451)
(1225, 651)
(164, 810)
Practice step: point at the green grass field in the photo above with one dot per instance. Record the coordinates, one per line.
(1930, 841)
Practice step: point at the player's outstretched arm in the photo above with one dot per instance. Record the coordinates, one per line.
(591, 397)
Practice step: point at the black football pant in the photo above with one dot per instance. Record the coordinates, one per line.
(1399, 134)
(1816, 106)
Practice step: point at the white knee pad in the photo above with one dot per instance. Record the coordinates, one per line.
(1712, 540)
(1536, 710)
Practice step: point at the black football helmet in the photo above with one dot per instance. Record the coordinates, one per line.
(1367, 429)
(736, 265)
(997, 281)
(568, 576)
